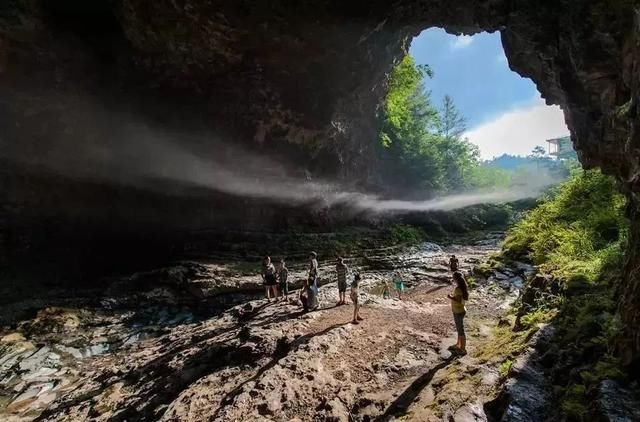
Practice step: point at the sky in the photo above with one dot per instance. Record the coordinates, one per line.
(504, 112)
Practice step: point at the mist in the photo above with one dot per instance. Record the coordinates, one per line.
(134, 154)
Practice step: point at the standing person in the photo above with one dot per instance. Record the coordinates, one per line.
(458, 299)
(269, 278)
(313, 265)
(309, 294)
(283, 275)
(454, 264)
(354, 298)
(399, 285)
(341, 269)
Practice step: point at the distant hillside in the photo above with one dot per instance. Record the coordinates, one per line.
(510, 162)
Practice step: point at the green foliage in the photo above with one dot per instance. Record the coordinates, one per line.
(487, 177)
(575, 397)
(422, 149)
(577, 234)
(505, 342)
(452, 123)
(606, 368)
(472, 282)
(403, 233)
(404, 103)
(484, 270)
(574, 232)
(440, 224)
(539, 316)
(505, 367)
(538, 152)
(573, 404)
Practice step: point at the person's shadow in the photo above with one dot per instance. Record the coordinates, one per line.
(401, 404)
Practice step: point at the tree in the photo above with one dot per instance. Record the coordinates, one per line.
(422, 149)
(408, 129)
(538, 154)
(404, 103)
(452, 122)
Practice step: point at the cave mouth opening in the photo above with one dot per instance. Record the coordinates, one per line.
(503, 112)
(458, 121)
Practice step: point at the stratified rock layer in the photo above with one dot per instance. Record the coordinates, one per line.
(302, 79)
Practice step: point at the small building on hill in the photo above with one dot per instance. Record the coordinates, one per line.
(561, 148)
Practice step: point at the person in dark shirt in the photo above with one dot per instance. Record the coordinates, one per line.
(341, 270)
(454, 264)
(269, 278)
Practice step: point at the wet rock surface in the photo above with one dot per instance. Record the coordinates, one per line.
(526, 394)
(259, 360)
(49, 355)
(615, 403)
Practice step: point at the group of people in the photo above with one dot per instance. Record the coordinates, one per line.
(275, 279)
(276, 282)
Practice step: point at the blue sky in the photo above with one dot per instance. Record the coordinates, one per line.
(504, 111)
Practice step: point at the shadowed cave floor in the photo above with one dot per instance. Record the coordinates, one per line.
(264, 361)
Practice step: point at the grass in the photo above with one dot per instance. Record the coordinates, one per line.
(574, 232)
(404, 233)
(576, 235)
(506, 344)
(505, 367)
(538, 316)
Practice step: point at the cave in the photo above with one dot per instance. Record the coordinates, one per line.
(285, 78)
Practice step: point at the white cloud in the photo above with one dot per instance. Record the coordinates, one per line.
(461, 41)
(516, 132)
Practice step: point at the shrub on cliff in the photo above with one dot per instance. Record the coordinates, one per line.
(575, 231)
(576, 235)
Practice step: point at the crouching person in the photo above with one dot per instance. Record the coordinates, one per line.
(309, 295)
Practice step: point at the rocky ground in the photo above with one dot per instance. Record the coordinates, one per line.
(158, 354)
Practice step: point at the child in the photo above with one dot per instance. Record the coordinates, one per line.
(283, 274)
(386, 292)
(354, 299)
(309, 296)
(341, 269)
(458, 298)
(399, 284)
